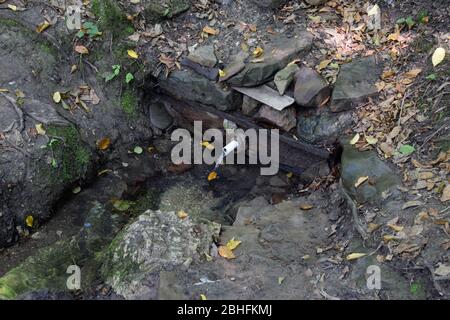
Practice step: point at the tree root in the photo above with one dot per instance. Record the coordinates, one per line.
(354, 209)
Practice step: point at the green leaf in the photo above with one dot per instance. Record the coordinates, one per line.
(122, 205)
(431, 77)
(116, 69)
(138, 150)
(54, 163)
(108, 76)
(407, 149)
(410, 22)
(401, 21)
(129, 77)
(80, 34)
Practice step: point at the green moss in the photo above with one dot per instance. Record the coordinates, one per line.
(111, 18)
(129, 103)
(71, 155)
(159, 10)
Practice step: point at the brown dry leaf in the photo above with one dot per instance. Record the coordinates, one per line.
(211, 31)
(360, 181)
(81, 49)
(446, 194)
(387, 74)
(258, 52)
(372, 227)
(104, 143)
(226, 253)
(413, 73)
(323, 64)
(395, 227)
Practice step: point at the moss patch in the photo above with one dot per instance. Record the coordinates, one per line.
(72, 157)
(129, 103)
(112, 18)
(159, 10)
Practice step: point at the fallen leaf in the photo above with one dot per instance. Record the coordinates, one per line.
(446, 194)
(212, 176)
(104, 144)
(29, 220)
(411, 204)
(207, 145)
(233, 244)
(57, 97)
(354, 256)
(360, 181)
(355, 139)
(122, 205)
(323, 64)
(413, 73)
(203, 297)
(42, 26)
(443, 270)
(258, 52)
(12, 7)
(407, 149)
(438, 56)
(226, 253)
(138, 150)
(280, 280)
(395, 227)
(132, 54)
(211, 31)
(182, 214)
(76, 190)
(40, 129)
(306, 206)
(222, 73)
(371, 140)
(81, 49)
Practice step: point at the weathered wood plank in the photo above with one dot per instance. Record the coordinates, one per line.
(268, 96)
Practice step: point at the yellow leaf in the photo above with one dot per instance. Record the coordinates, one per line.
(73, 68)
(132, 54)
(413, 73)
(354, 256)
(289, 175)
(226, 253)
(306, 206)
(323, 64)
(42, 27)
(210, 31)
(182, 214)
(212, 176)
(208, 145)
(388, 237)
(222, 73)
(57, 97)
(371, 140)
(4, 90)
(12, 7)
(355, 139)
(438, 56)
(395, 227)
(81, 49)
(233, 244)
(203, 297)
(29, 220)
(360, 181)
(258, 52)
(104, 143)
(40, 129)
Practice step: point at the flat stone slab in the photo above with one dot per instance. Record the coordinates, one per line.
(355, 83)
(204, 56)
(268, 96)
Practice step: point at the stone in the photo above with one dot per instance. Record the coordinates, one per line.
(355, 83)
(277, 55)
(237, 65)
(285, 119)
(190, 86)
(311, 90)
(277, 181)
(268, 96)
(248, 105)
(210, 73)
(155, 242)
(356, 164)
(157, 10)
(284, 77)
(322, 127)
(204, 56)
(159, 116)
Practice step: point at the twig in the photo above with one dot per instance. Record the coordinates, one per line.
(431, 136)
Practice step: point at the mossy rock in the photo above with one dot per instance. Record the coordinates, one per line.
(112, 18)
(47, 268)
(162, 9)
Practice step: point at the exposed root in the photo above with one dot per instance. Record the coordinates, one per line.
(354, 209)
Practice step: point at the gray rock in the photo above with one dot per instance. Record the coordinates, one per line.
(159, 116)
(277, 55)
(285, 119)
(284, 77)
(356, 164)
(157, 241)
(188, 85)
(311, 90)
(204, 56)
(248, 105)
(322, 126)
(276, 181)
(355, 83)
(248, 212)
(237, 65)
